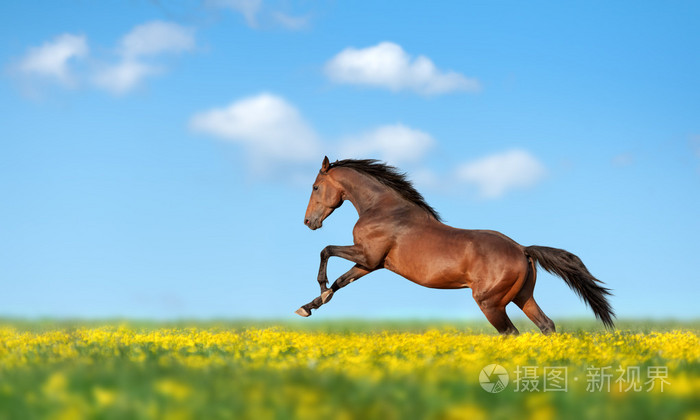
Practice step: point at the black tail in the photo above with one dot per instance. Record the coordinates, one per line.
(569, 267)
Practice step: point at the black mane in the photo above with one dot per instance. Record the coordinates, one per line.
(389, 176)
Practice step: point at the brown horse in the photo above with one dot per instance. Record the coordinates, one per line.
(399, 231)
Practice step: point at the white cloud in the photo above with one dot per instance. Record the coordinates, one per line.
(426, 178)
(51, 60)
(271, 129)
(266, 125)
(156, 37)
(499, 173)
(291, 22)
(122, 77)
(263, 14)
(138, 55)
(248, 8)
(138, 50)
(388, 66)
(393, 143)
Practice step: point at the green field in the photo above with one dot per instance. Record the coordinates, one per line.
(346, 370)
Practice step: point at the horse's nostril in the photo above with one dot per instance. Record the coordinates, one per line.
(306, 221)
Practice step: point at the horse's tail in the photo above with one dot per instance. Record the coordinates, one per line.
(570, 267)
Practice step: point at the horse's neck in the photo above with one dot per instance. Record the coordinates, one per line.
(366, 193)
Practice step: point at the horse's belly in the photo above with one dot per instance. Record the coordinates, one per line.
(437, 267)
(430, 279)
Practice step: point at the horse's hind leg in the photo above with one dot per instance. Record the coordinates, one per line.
(534, 312)
(526, 301)
(499, 319)
(495, 313)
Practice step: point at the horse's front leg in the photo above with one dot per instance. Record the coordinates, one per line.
(351, 252)
(351, 275)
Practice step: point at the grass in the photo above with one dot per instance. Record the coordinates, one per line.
(337, 369)
(475, 326)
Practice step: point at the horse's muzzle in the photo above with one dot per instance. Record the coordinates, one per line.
(313, 224)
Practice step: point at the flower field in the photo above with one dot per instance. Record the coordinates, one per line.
(285, 372)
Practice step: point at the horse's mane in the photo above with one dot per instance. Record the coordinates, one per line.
(389, 176)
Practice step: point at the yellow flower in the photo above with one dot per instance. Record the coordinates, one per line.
(104, 397)
(55, 386)
(174, 389)
(465, 411)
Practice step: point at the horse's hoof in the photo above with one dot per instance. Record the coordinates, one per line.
(302, 312)
(326, 296)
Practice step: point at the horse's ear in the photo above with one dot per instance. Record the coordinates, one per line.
(326, 165)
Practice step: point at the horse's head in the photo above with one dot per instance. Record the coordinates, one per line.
(327, 195)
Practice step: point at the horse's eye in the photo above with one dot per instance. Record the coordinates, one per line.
(315, 187)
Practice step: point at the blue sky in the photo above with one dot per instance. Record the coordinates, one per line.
(156, 158)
